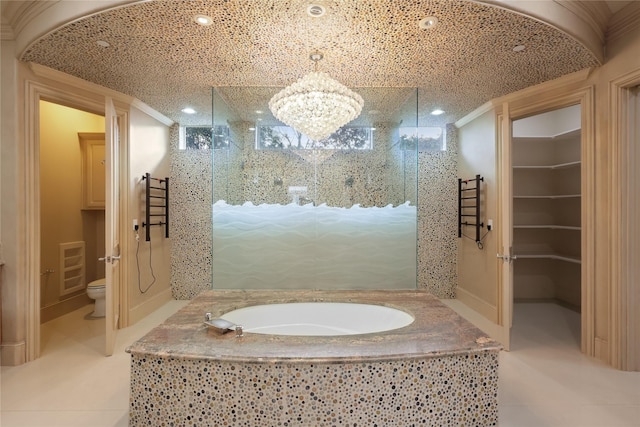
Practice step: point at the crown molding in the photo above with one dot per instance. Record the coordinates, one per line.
(572, 17)
(64, 78)
(18, 14)
(624, 21)
(551, 85)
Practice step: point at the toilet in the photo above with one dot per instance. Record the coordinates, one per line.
(96, 291)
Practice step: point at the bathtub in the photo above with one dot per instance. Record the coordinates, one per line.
(318, 319)
(436, 370)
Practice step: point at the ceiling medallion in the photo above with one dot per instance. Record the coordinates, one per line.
(316, 105)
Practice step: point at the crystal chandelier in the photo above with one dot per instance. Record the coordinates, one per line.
(316, 105)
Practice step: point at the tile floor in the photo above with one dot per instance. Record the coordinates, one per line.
(544, 380)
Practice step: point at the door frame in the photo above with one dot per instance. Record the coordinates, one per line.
(624, 208)
(34, 92)
(547, 101)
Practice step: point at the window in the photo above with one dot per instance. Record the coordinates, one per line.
(202, 137)
(426, 138)
(282, 137)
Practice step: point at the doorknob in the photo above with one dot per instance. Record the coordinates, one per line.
(109, 258)
(115, 257)
(507, 258)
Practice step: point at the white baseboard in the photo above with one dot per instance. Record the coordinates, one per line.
(141, 311)
(601, 350)
(13, 354)
(476, 304)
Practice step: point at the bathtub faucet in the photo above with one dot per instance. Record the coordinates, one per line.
(222, 325)
(304, 200)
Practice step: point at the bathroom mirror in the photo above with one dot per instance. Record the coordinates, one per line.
(291, 213)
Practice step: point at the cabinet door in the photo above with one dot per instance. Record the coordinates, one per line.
(93, 170)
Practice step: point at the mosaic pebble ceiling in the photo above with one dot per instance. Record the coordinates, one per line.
(458, 390)
(160, 56)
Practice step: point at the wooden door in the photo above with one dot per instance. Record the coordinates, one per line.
(112, 225)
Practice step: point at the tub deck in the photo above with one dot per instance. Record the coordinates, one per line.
(436, 331)
(441, 369)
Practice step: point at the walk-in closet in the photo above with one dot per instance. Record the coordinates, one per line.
(546, 160)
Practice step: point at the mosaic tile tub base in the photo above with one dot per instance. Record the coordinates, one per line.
(438, 371)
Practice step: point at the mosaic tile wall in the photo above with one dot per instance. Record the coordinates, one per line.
(438, 219)
(368, 177)
(190, 213)
(457, 390)
(345, 178)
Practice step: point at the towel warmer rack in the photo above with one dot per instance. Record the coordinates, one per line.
(469, 205)
(156, 204)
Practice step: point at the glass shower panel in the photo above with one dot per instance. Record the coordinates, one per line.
(290, 213)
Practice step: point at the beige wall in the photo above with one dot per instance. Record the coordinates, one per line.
(477, 268)
(61, 217)
(13, 298)
(149, 146)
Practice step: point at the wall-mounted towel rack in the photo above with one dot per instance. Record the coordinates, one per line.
(469, 204)
(156, 204)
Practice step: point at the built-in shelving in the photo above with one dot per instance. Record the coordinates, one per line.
(548, 196)
(549, 255)
(548, 226)
(551, 167)
(546, 208)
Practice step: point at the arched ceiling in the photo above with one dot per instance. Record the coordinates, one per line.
(158, 54)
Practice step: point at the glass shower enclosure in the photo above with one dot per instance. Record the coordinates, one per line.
(293, 213)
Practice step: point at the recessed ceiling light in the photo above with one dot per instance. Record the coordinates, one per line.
(259, 111)
(252, 128)
(519, 48)
(188, 110)
(437, 112)
(428, 23)
(203, 20)
(316, 10)
(103, 43)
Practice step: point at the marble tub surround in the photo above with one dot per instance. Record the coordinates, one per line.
(437, 330)
(439, 370)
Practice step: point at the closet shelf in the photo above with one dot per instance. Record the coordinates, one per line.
(548, 255)
(551, 167)
(548, 196)
(549, 226)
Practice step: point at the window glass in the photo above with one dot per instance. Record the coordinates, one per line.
(281, 137)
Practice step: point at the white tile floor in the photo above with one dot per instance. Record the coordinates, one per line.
(544, 380)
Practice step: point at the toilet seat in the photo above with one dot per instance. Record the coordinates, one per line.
(97, 284)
